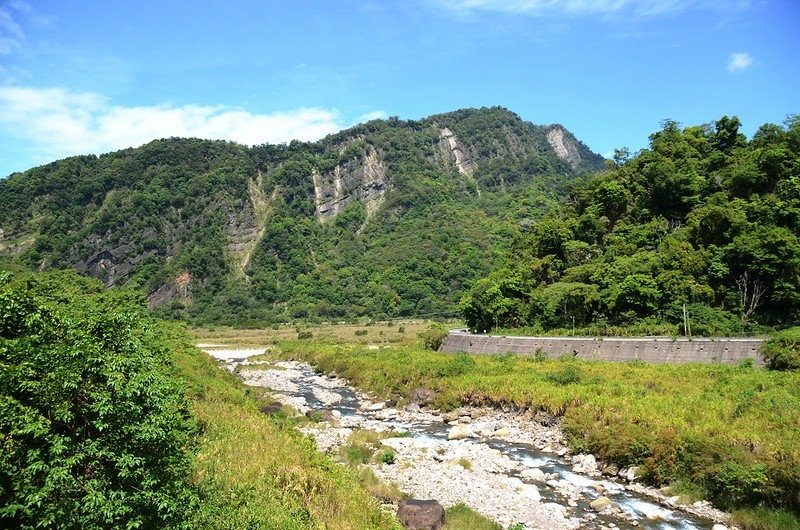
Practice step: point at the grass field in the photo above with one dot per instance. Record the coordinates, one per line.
(380, 332)
(730, 434)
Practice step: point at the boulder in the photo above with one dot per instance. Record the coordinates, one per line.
(600, 504)
(585, 464)
(323, 415)
(476, 413)
(453, 415)
(535, 474)
(531, 492)
(421, 396)
(630, 474)
(374, 407)
(271, 408)
(501, 432)
(459, 432)
(416, 514)
(386, 414)
(719, 527)
(514, 483)
(611, 470)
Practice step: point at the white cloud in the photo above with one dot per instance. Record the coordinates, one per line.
(61, 123)
(589, 7)
(11, 34)
(739, 61)
(374, 115)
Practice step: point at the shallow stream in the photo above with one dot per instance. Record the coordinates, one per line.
(297, 384)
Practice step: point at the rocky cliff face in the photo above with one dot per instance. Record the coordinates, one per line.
(455, 151)
(565, 147)
(361, 178)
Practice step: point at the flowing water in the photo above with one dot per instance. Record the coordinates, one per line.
(635, 510)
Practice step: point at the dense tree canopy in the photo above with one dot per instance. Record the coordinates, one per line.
(95, 431)
(703, 218)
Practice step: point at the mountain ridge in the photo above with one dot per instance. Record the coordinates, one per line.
(211, 229)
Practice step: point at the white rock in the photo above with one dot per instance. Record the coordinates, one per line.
(514, 483)
(386, 414)
(373, 407)
(459, 432)
(534, 474)
(326, 396)
(501, 432)
(719, 527)
(531, 492)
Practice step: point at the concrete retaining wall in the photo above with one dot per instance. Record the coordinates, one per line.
(649, 349)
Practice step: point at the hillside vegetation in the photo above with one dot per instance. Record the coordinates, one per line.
(112, 419)
(703, 219)
(389, 218)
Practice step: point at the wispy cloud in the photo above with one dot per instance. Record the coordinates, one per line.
(588, 7)
(12, 35)
(62, 123)
(739, 61)
(374, 115)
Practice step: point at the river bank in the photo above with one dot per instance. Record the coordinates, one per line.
(512, 467)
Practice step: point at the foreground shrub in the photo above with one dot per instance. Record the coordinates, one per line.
(95, 433)
(783, 350)
(434, 336)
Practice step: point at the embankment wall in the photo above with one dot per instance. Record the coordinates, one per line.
(648, 349)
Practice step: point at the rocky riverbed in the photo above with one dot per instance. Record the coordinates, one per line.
(513, 467)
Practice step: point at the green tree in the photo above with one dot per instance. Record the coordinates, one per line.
(95, 431)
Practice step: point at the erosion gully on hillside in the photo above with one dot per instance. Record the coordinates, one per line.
(511, 467)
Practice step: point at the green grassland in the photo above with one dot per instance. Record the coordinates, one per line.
(730, 434)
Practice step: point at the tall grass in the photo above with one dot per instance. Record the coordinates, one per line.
(731, 433)
(256, 471)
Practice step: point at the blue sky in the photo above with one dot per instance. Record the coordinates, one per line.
(86, 76)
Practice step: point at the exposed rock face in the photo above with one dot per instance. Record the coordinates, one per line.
(417, 514)
(456, 152)
(246, 228)
(453, 150)
(565, 147)
(179, 288)
(362, 179)
(114, 264)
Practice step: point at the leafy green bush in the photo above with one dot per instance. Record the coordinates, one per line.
(95, 431)
(387, 456)
(566, 376)
(459, 364)
(783, 350)
(434, 336)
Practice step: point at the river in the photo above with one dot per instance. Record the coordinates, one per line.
(506, 465)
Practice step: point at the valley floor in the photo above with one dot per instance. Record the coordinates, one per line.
(662, 418)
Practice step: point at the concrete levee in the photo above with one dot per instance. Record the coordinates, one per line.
(648, 349)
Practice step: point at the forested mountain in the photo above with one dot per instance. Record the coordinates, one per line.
(703, 218)
(389, 218)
